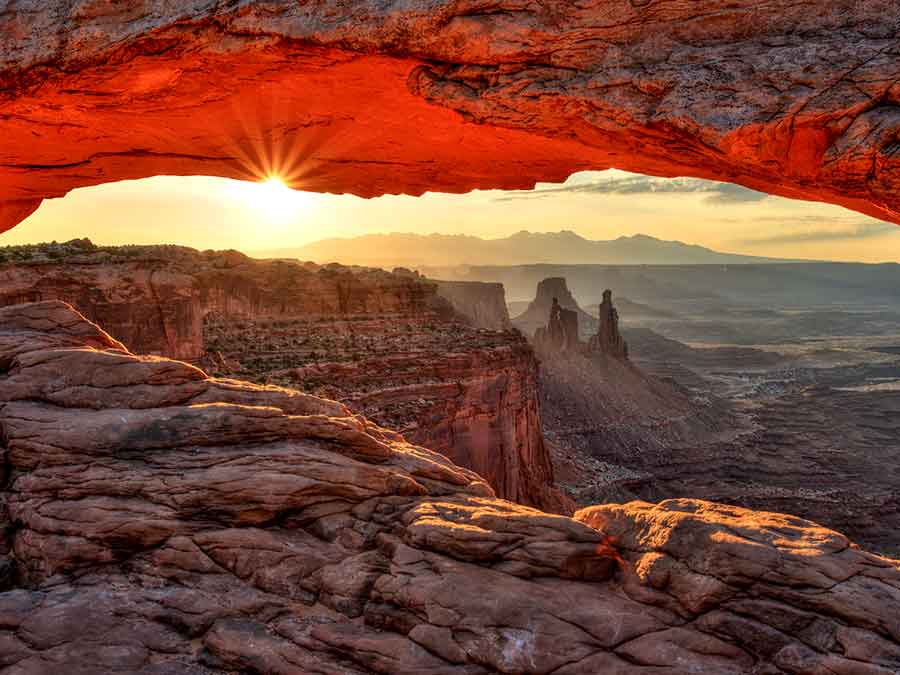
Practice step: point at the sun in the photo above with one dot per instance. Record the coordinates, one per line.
(272, 199)
(278, 201)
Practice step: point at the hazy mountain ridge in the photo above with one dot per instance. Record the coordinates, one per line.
(522, 248)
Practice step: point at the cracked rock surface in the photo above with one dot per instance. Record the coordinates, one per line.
(160, 521)
(800, 99)
(385, 344)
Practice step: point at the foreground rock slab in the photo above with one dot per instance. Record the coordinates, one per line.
(373, 97)
(388, 345)
(160, 521)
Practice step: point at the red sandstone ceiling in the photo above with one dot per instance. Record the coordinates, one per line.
(374, 97)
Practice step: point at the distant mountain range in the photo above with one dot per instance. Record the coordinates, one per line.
(523, 248)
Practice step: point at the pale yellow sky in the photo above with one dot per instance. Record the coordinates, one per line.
(216, 213)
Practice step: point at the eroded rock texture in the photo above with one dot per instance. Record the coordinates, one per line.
(155, 298)
(608, 340)
(473, 398)
(550, 291)
(158, 521)
(561, 332)
(385, 344)
(371, 97)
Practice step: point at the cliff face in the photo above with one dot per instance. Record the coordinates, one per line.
(798, 99)
(483, 303)
(476, 404)
(155, 298)
(383, 343)
(156, 520)
(468, 393)
(151, 305)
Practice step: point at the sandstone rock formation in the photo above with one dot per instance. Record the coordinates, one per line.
(608, 340)
(798, 99)
(384, 344)
(483, 303)
(159, 521)
(473, 396)
(155, 298)
(561, 332)
(538, 312)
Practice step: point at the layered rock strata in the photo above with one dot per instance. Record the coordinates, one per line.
(797, 99)
(483, 303)
(155, 298)
(160, 521)
(385, 344)
(470, 394)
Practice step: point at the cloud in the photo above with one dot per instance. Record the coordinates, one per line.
(729, 193)
(817, 230)
(718, 193)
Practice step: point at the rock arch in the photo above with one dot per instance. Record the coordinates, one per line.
(796, 99)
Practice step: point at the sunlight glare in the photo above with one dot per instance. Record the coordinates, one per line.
(273, 199)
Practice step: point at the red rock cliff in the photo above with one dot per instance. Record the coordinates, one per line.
(483, 303)
(155, 520)
(155, 298)
(384, 343)
(478, 404)
(372, 97)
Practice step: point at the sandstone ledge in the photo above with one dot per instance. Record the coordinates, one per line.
(158, 521)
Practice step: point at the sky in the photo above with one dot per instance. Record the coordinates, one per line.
(206, 212)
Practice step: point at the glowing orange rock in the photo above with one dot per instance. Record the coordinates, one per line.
(797, 99)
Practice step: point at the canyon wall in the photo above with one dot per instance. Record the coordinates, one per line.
(155, 520)
(477, 405)
(385, 344)
(155, 298)
(469, 393)
(483, 303)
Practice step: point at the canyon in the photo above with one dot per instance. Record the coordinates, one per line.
(156, 297)
(183, 493)
(602, 413)
(471, 394)
(158, 520)
(786, 405)
(387, 345)
(369, 97)
(812, 430)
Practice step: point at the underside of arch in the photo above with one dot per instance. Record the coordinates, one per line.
(372, 97)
